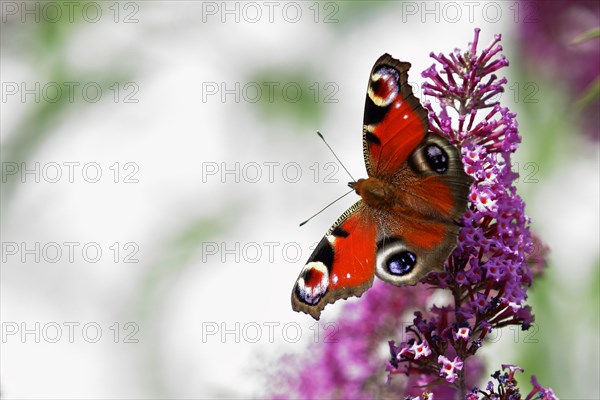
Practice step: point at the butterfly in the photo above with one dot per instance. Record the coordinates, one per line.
(407, 221)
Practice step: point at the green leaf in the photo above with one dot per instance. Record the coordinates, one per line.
(586, 36)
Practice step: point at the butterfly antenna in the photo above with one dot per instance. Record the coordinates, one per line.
(324, 208)
(336, 157)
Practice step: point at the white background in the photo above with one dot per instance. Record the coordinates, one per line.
(175, 290)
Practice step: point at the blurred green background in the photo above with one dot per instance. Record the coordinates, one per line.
(157, 64)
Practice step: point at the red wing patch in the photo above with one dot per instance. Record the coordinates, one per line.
(354, 254)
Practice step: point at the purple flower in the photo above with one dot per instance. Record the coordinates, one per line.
(348, 364)
(541, 392)
(511, 369)
(421, 350)
(449, 368)
(462, 334)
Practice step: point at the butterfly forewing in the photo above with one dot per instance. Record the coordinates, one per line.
(394, 121)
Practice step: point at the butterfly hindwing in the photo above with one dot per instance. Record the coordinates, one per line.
(419, 232)
(342, 264)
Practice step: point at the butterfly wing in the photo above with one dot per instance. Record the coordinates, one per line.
(342, 264)
(420, 231)
(394, 121)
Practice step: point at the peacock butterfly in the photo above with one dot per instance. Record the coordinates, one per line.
(406, 223)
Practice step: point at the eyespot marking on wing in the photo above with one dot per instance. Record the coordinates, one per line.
(313, 282)
(384, 86)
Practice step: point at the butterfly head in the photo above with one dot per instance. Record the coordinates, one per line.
(374, 192)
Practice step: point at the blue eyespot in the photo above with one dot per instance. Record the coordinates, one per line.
(401, 263)
(436, 158)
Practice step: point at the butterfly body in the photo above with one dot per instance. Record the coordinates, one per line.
(375, 193)
(406, 223)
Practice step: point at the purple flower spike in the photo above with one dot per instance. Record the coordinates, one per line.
(490, 270)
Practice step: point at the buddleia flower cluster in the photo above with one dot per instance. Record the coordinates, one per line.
(488, 273)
